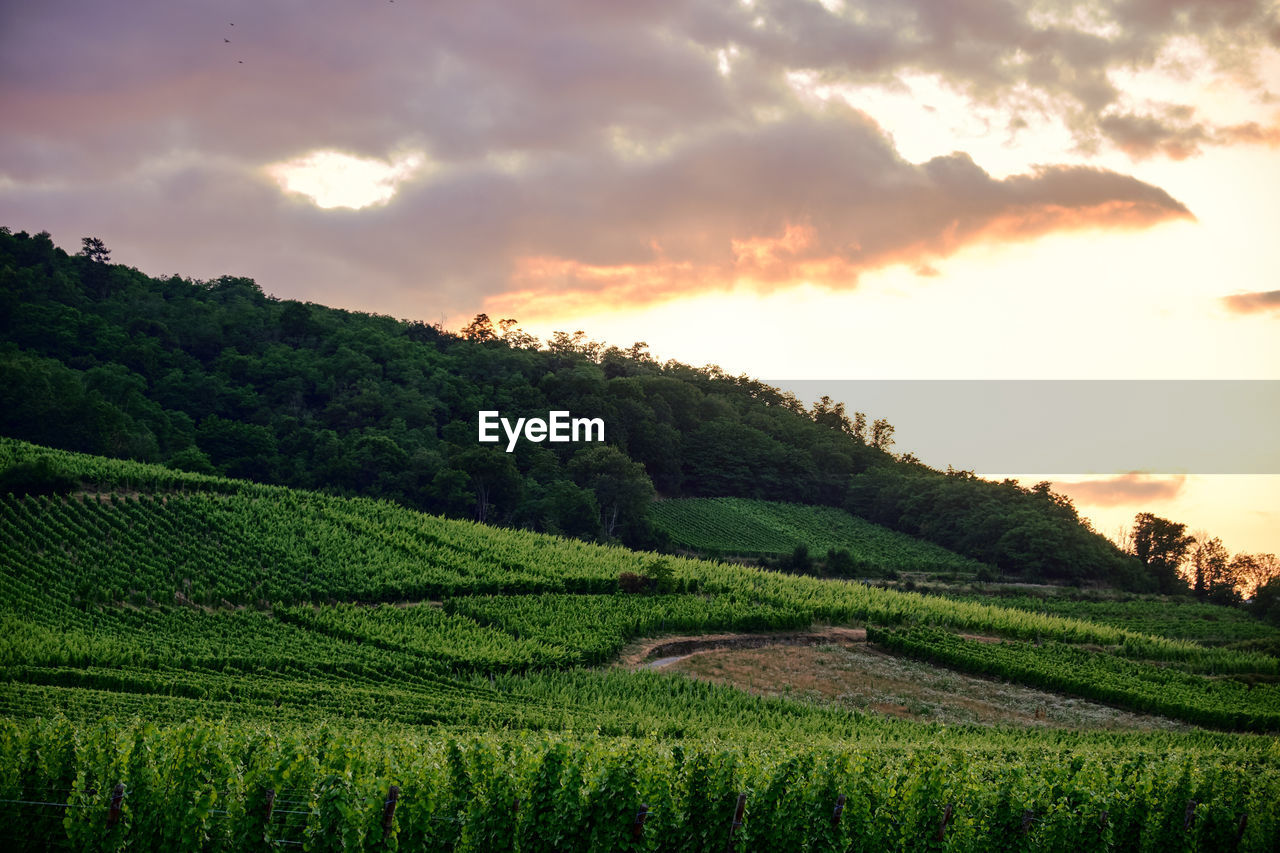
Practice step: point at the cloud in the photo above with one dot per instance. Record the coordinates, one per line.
(575, 147)
(333, 179)
(1253, 303)
(832, 200)
(1127, 489)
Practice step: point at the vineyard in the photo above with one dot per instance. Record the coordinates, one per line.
(755, 528)
(195, 663)
(1196, 621)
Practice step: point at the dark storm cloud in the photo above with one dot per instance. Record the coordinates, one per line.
(1253, 303)
(596, 134)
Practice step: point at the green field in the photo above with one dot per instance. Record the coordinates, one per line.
(755, 528)
(1175, 618)
(202, 641)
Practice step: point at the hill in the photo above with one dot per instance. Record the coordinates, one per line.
(201, 642)
(217, 377)
(749, 528)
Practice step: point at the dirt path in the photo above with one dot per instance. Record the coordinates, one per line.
(661, 662)
(668, 650)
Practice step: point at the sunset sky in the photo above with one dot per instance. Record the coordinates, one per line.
(798, 190)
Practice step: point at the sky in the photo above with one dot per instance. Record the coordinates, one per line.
(793, 189)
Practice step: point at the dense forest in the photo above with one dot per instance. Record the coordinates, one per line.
(218, 377)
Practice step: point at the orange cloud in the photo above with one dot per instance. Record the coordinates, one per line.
(1128, 489)
(1253, 303)
(1032, 222)
(546, 286)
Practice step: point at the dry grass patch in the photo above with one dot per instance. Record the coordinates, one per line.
(862, 677)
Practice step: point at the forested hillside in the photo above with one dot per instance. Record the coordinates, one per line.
(220, 378)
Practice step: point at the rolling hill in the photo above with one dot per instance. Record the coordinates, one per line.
(257, 665)
(753, 528)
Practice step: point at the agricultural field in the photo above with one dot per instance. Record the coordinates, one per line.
(1175, 618)
(195, 663)
(755, 528)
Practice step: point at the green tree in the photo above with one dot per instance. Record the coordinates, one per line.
(568, 509)
(39, 477)
(831, 415)
(1161, 545)
(621, 487)
(494, 478)
(881, 434)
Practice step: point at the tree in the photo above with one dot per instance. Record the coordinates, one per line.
(832, 415)
(479, 329)
(563, 343)
(840, 563)
(40, 476)
(516, 337)
(494, 478)
(1209, 561)
(568, 509)
(1161, 545)
(881, 434)
(800, 562)
(661, 575)
(622, 489)
(1266, 602)
(1252, 571)
(95, 250)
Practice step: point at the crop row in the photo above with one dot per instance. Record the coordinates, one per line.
(1175, 619)
(204, 785)
(767, 528)
(1222, 702)
(295, 547)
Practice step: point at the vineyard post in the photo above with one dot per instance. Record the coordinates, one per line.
(113, 811)
(1028, 817)
(389, 810)
(946, 818)
(839, 810)
(1189, 817)
(637, 826)
(271, 805)
(1244, 821)
(737, 820)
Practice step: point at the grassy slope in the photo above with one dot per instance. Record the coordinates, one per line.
(195, 589)
(1175, 618)
(768, 528)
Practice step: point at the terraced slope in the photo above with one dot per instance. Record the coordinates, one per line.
(328, 649)
(755, 528)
